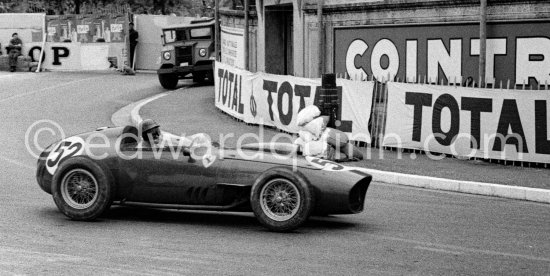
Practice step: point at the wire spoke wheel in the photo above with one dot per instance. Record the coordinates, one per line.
(79, 189)
(280, 199)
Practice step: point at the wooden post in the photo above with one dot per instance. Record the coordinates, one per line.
(321, 37)
(482, 41)
(217, 29)
(44, 36)
(135, 49)
(246, 37)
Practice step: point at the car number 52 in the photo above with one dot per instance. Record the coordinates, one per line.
(64, 150)
(324, 164)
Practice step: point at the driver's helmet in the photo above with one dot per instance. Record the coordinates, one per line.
(147, 126)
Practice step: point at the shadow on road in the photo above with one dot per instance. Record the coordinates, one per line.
(214, 219)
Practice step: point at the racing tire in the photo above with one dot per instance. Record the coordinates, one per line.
(82, 189)
(198, 77)
(281, 199)
(168, 81)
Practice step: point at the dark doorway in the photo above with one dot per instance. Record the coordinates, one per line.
(279, 40)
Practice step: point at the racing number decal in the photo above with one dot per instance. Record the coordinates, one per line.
(64, 150)
(325, 164)
(334, 167)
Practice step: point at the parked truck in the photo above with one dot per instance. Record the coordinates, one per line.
(188, 51)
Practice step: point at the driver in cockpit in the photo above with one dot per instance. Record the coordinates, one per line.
(152, 136)
(150, 133)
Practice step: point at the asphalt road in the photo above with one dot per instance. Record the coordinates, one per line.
(402, 231)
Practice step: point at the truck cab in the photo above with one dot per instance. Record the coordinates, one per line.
(188, 50)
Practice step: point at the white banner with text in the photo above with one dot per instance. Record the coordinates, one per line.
(275, 100)
(472, 122)
(60, 56)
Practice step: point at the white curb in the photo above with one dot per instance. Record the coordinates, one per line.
(469, 187)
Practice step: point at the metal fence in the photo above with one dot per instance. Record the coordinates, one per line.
(378, 116)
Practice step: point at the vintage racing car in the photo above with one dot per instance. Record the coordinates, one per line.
(87, 173)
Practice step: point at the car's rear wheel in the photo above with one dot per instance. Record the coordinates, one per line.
(168, 81)
(82, 189)
(281, 199)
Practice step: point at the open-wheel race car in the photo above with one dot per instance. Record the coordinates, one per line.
(87, 173)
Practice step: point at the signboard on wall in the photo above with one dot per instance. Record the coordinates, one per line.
(516, 51)
(85, 28)
(232, 46)
(473, 122)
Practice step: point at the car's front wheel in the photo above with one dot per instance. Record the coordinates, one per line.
(281, 199)
(82, 189)
(168, 81)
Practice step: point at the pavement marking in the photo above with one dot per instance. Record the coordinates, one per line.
(45, 88)
(16, 256)
(438, 250)
(180, 260)
(19, 254)
(15, 162)
(451, 248)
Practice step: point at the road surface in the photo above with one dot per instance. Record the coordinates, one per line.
(402, 230)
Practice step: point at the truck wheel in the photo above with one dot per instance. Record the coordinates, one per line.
(281, 199)
(198, 77)
(168, 81)
(82, 189)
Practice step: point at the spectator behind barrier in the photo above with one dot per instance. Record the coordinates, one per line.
(134, 35)
(14, 51)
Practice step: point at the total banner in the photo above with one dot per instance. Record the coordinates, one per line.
(233, 87)
(275, 100)
(472, 122)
